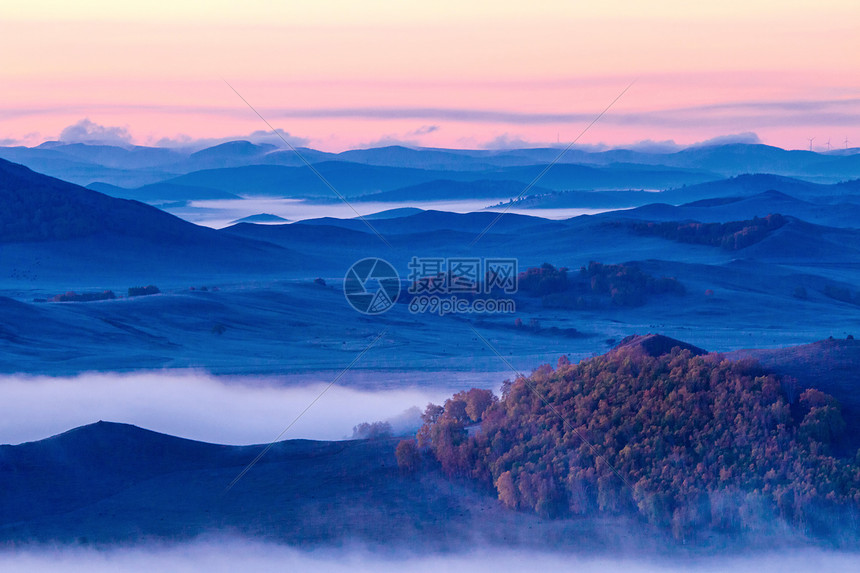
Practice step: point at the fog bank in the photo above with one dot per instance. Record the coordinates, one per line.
(198, 406)
(235, 555)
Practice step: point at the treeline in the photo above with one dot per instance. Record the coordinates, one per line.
(72, 296)
(143, 291)
(688, 443)
(731, 236)
(624, 284)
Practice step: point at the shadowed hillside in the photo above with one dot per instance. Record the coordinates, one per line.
(71, 231)
(111, 482)
(36, 207)
(832, 366)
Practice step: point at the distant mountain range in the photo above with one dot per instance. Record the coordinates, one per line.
(134, 166)
(735, 208)
(711, 193)
(38, 208)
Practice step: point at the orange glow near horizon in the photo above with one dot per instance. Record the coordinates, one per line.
(339, 74)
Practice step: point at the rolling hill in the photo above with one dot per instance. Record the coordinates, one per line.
(161, 193)
(827, 198)
(846, 215)
(68, 227)
(108, 483)
(442, 190)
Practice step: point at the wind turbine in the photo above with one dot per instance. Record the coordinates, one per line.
(811, 139)
(846, 143)
(828, 145)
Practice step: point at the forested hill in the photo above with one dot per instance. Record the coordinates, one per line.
(690, 443)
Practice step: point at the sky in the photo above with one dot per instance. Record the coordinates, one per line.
(339, 74)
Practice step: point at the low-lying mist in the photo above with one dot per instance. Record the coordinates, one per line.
(235, 555)
(195, 405)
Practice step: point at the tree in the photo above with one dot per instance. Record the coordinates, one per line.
(374, 431)
(408, 456)
(143, 291)
(432, 413)
(477, 402)
(507, 490)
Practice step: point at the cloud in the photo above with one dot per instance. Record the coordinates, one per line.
(425, 130)
(86, 131)
(198, 406)
(651, 146)
(263, 136)
(259, 137)
(407, 139)
(508, 141)
(789, 111)
(390, 140)
(747, 137)
(669, 145)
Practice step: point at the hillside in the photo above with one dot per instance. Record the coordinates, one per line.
(831, 365)
(160, 193)
(755, 184)
(721, 210)
(442, 190)
(741, 196)
(36, 207)
(355, 179)
(110, 482)
(772, 238)
(350, 179)
(431, 220)
(70, 227)
(688, 443)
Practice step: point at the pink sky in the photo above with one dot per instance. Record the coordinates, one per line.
(339, 74)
